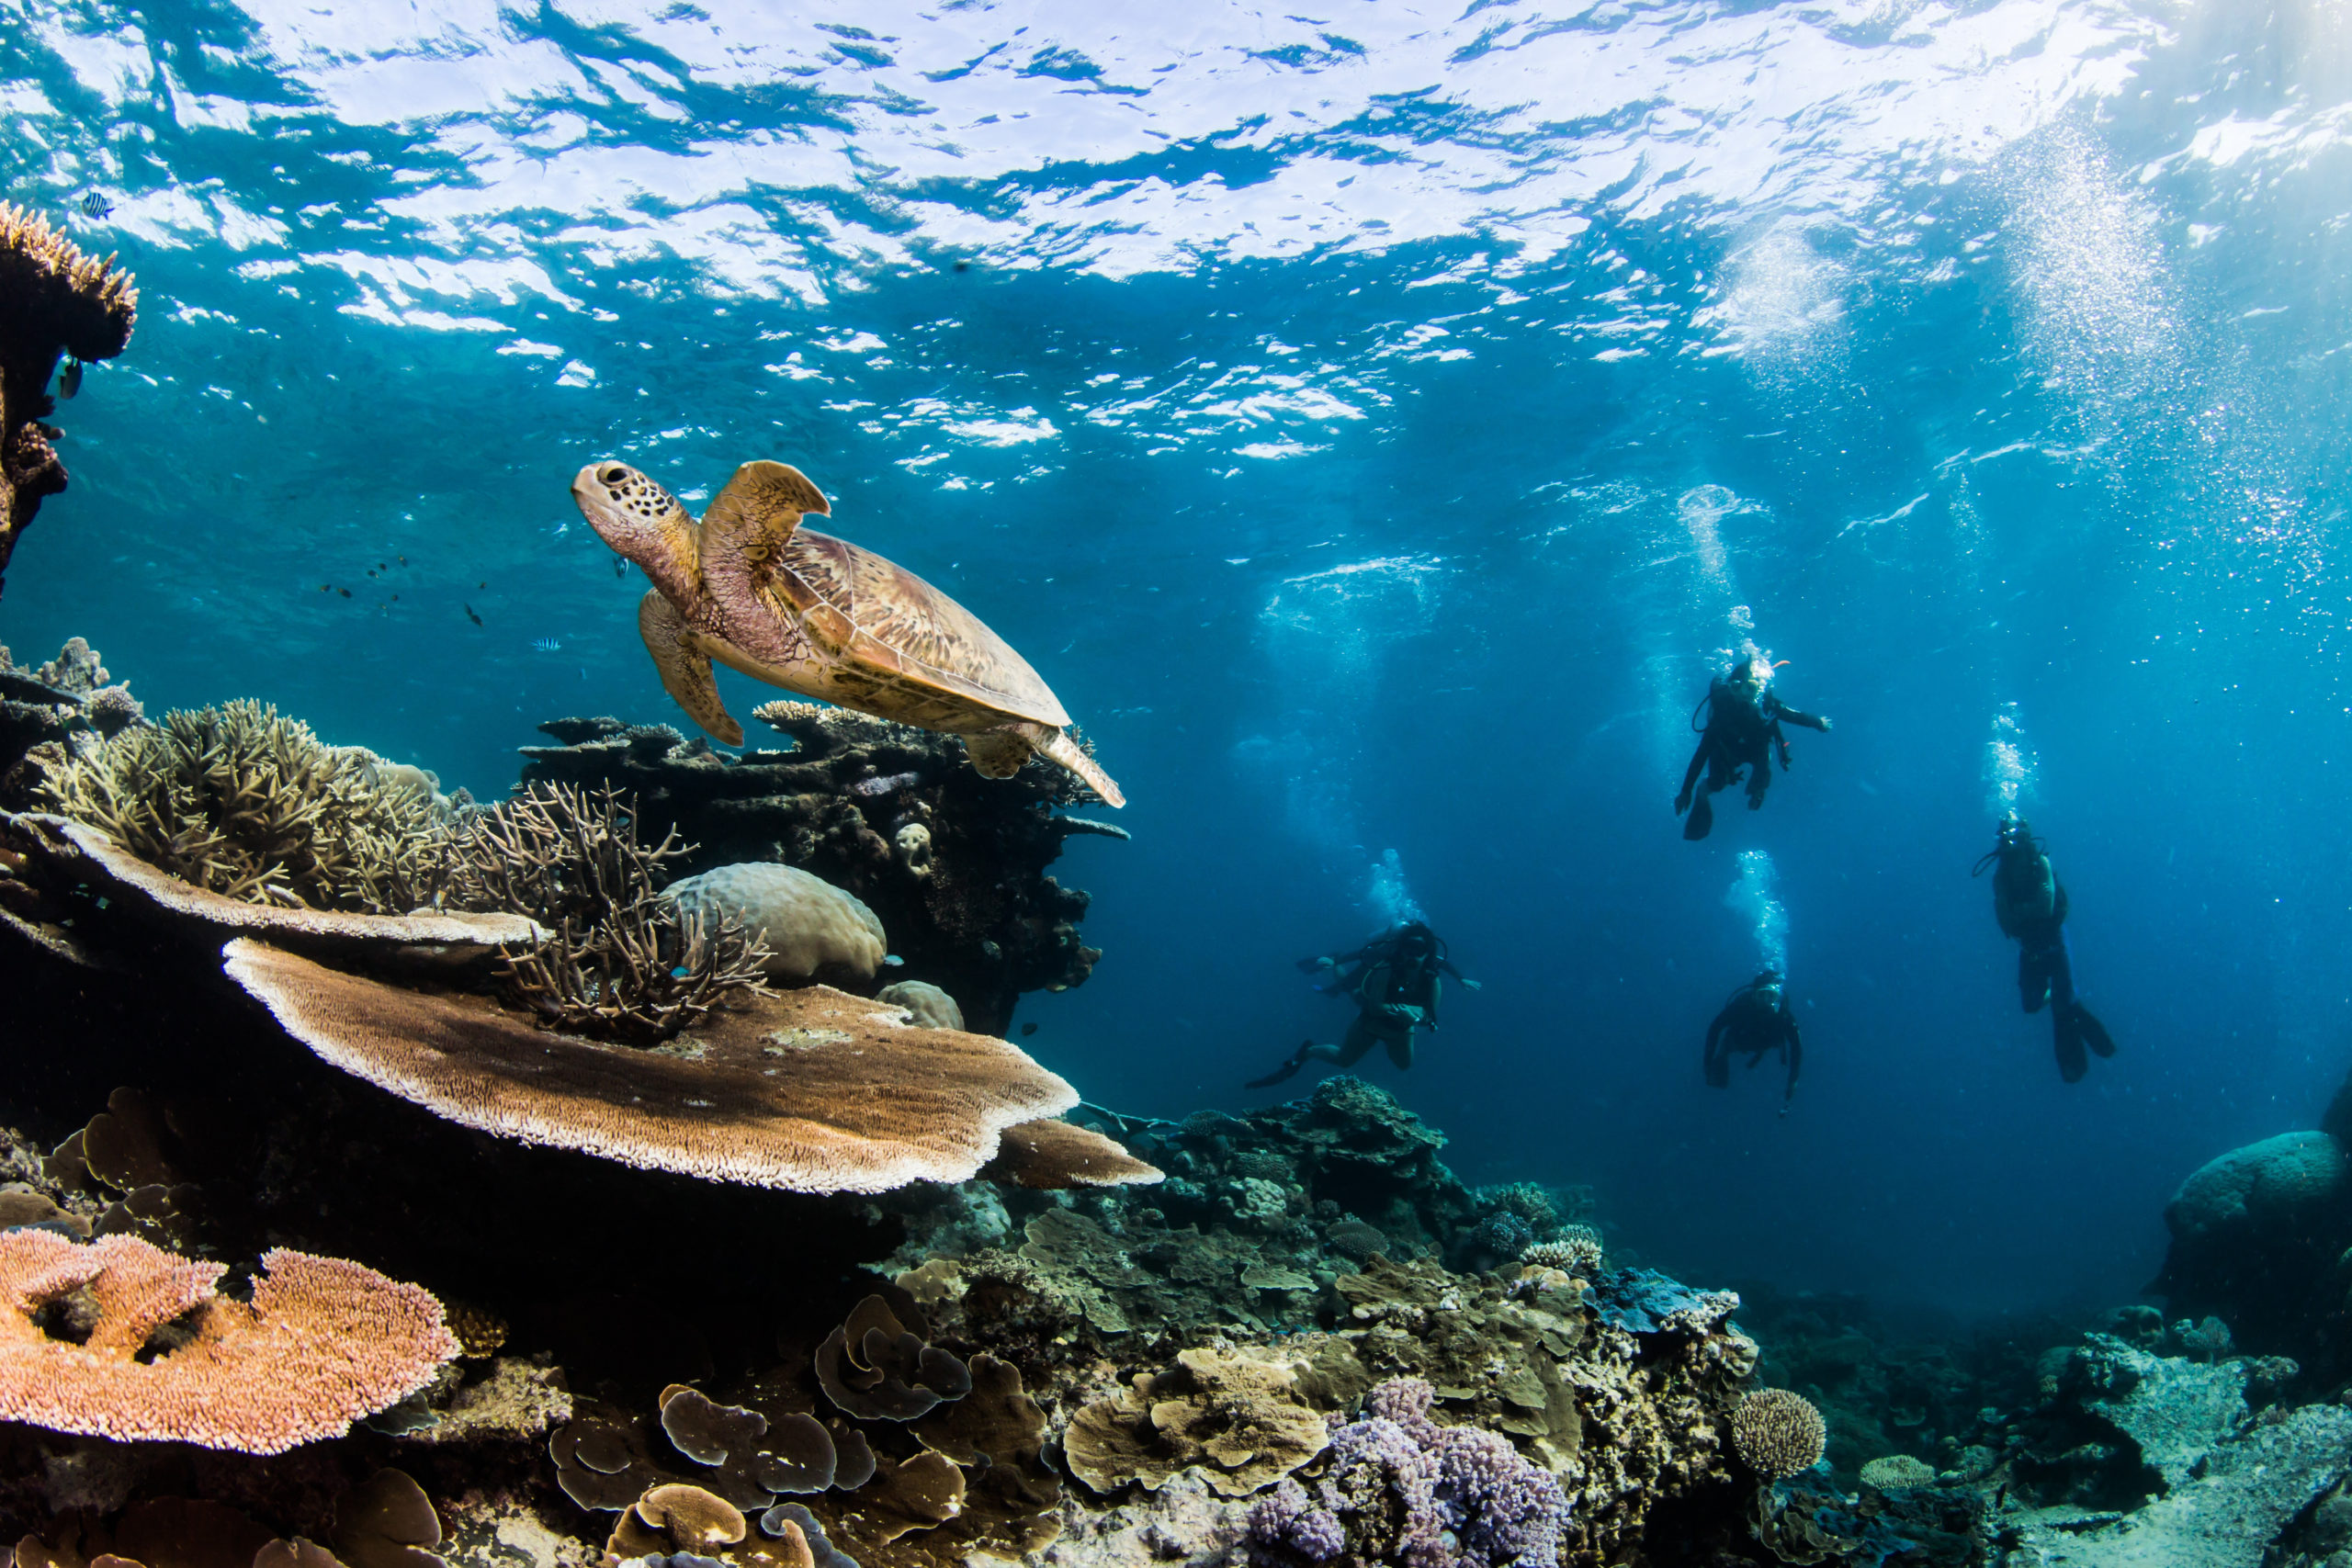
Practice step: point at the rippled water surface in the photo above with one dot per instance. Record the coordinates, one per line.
(1373, 423)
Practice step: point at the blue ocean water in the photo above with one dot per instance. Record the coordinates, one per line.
(1375, 425)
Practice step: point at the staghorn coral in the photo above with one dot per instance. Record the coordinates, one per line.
(322, 1343)
(621, 961)
(240, 801)
(812, 1090)
(952, 863)
(1776, 1433)
(65, 871)
(53, 299)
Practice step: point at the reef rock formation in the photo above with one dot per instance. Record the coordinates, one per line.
(54, 301)
(69, 697)
(953, 865)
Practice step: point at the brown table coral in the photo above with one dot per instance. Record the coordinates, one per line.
(322, 1343)
(812, 1090)
(53, 299)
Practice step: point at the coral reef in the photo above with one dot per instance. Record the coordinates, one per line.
(72, 695)
(54, 301)
(160, 1355)
(620, 960)
(953, 865)
(242, 802)
(926, 1004)
(809, 927)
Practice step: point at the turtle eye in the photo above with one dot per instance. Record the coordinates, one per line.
(614, 475)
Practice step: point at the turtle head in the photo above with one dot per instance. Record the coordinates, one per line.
(641, 521)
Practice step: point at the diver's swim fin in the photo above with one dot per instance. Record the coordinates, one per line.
(1287, 1071)
(2093, 1032)
(1702, 820)
(2066, 1031)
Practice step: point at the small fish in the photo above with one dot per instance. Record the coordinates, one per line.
(96, 206)
(481, 585)
(548, 644)
(69, 380)
(471, 616)
(1027, 1029)
(344, 592)
(326, 587)
(886, 784)
(371, 571)
(403, 560)
(620, 567)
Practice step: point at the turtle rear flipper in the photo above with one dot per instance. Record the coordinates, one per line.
(684, 668)
(1061, 749)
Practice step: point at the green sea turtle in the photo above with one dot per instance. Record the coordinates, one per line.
(750, 588)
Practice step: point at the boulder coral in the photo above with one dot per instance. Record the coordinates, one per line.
(322, 1343)
(809, 926)
(54, 301)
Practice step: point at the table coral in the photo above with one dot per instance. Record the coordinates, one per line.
(812, 1090)
(322, 1343)
(54, 301)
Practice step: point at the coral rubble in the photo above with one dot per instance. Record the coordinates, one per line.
(953, 864)
(54, 301)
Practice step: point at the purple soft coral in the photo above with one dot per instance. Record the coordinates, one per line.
(1504, 1510)
(1402, 1490)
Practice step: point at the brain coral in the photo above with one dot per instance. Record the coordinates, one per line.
(1777, 1432)
(809, 924)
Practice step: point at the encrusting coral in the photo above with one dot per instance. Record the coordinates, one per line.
(53, 299)
(242, 802)
(1240, 1415)
(322, 1343)
(621, 960)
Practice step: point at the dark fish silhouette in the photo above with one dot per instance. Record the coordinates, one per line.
(1027, 1029)
(344, 592)
(69, 380)
(95, 206)
(620, 567)
(371, 571)
(471, 616)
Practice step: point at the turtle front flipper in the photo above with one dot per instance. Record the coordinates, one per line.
(746, 527)
(684, 668)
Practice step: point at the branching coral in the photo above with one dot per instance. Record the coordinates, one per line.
(1777, 1432)
(161, 1357)
(1576, 1251)
(52, 299)
(242, 802)
(623, 960)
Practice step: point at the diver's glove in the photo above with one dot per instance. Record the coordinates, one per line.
(1825, 725)
(1473, 985)
(1403, 1012)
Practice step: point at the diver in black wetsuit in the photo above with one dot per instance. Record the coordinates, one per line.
(2031, 903)
(1743, 731)
(1396, 980)
(1757, 1018)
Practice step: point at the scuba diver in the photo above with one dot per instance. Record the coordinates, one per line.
(1757, 1018)
(2031, 903)
(1743, 731)
(1395, 980)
